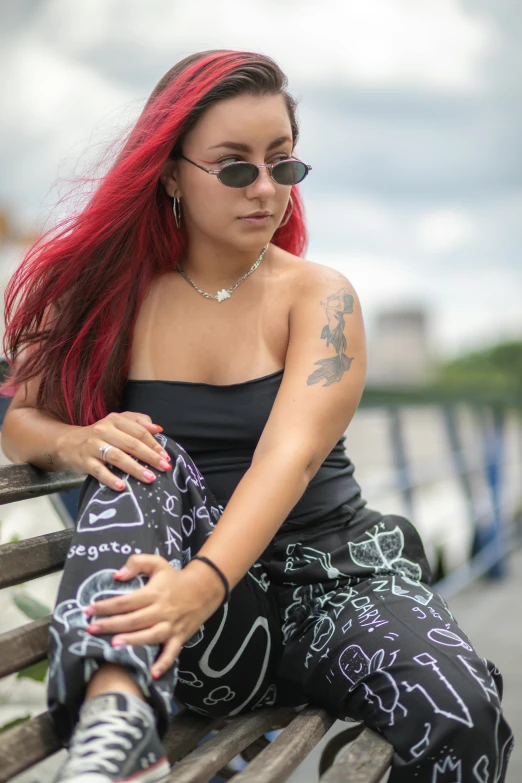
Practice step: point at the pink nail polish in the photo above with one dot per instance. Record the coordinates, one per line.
(118, 642)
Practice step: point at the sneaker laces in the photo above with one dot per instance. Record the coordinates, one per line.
(91, 743)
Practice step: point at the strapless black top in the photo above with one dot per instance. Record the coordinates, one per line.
(220, 426)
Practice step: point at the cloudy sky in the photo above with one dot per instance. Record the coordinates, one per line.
(410, 115)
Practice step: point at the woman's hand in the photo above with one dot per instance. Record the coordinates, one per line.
(129, 433)
(168, 610)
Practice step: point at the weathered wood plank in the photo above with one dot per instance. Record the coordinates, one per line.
(25, 745)
(207, 759)
(365, 760)
(288, 749)
(186, 729)
(24, 646)
(338, 741)
(23, 481)
(33, 557)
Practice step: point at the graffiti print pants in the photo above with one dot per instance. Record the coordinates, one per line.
(340, 616)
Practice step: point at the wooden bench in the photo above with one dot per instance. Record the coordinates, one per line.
(197, 747)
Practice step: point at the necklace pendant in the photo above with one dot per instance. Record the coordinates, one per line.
(223, 294)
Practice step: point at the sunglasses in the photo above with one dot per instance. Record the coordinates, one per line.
(240, 174)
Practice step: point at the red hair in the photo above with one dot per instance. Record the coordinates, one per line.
(80, 290)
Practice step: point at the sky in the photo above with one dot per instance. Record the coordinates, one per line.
(410, 114)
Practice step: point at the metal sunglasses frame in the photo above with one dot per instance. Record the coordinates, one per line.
(268, 166)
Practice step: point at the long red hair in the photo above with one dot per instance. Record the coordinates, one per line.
(80, 290)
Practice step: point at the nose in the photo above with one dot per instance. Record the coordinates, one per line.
(263, 187)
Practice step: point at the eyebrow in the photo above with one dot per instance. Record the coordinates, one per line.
(234, 145)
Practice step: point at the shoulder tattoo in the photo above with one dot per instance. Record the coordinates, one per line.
(332, 369)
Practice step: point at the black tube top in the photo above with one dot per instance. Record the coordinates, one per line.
(220, 426)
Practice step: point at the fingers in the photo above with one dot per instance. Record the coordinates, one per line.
(156, 634)
(167, 658)
(124, 623)
(128, 438)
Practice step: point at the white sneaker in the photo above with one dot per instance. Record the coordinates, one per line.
(115, 741)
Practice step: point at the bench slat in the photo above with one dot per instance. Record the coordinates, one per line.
(207, 759)
(24, 646)
(185, 730)
(363, 761)
(27, 744)
(288, 749)
(23, 481)
(33, 557)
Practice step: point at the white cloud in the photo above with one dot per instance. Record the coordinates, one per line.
(429, 43)
(445, 230)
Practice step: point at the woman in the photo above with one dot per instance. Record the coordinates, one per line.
(231, 561)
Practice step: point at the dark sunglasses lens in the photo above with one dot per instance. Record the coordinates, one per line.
(238, 175)
(289, 172)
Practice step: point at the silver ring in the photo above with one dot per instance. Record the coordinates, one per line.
(104, 450)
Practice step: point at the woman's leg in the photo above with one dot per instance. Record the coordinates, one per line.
(383, 647)
(225, 668)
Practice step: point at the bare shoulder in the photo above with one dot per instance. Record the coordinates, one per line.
(313, 281)
(311, 275)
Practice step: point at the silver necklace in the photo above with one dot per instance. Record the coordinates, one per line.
(225, 292)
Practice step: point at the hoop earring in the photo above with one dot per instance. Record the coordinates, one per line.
(176, 208)
(289, 214)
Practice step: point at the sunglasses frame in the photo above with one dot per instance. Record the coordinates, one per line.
(269, 166)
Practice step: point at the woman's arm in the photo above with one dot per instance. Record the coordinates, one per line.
(30, 434)
(323, 381)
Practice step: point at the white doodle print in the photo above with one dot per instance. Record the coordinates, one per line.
(449, 769)
(417, 749)
(481, 770)
(355, 665)
(501, 755)
(55, 668)
(368, 616)
(259, 575)
(196, 638)
(188, 677)
(184, 473)
(450, 639)
(488, 686)
(105, 504)
(90, 645)
(310, 554)
(315, 606)
(221, 693)
(173, 539)
(425, 659)
(170, 503)
(70, 613)
(92, 552)
(206, 668)
(383, 552)
(268, 699)
(323, 631)
(418, 593)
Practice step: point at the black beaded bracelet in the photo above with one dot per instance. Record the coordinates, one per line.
(226, 599)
